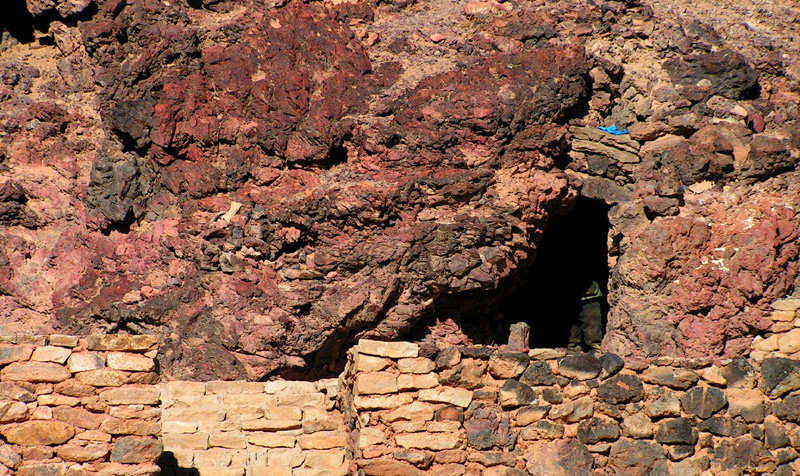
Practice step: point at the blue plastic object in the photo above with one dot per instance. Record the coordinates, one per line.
(614, 130)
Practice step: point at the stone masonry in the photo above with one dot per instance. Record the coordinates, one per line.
(75, 407)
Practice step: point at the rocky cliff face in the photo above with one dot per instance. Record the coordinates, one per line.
(262, 183)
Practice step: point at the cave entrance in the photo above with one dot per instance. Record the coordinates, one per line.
(573, 253)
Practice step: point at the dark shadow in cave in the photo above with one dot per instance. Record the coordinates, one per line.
(572, 254)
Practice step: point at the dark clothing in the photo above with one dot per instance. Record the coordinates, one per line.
(589, 327)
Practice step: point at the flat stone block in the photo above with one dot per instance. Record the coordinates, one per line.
(250, 400)
(416, 381)
(116, 426)
(130, 362)
(268, 471)
(130, 395)
(50, 353)
(418, 365)
(370, 436)
(57, 400)
(455, 396)
(121, 342)
(178, 427)
(286, 458)
(416, 411)
(283, 387)
(179, 388)
(303, 400)
(196, 441)
(38, 433)
(83, 361)
(213, 457)
(35, 372)
(219, 471)
(379, 403)
(786, 304)
(264, 424)
(375, 383)
(103, 378)
(370, 363)
(546, 354)
(235, 387)
(783, 316)
(393, 350)
(272, 440)
(62, 340)
(429, 441)
(322, 441)
(324, 459)
(231, 440)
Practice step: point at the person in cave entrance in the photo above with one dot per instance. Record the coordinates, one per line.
(588, 328)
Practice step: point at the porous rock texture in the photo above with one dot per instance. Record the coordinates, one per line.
(262, 183)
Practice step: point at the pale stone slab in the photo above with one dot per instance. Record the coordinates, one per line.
(237, 387)
(35, 372)
(94, 435)
(13, 411)
(177, 441)
(393, 350)
(272, 440)
(546, 354)
(416, 411)
(178, 427)
(324, 459)
(286, 458)
(789, 343)
(218, 470)
(84, 361)
(767, 345)
(308, 400)
(323, 440)
(283, 413)
(63, 341)
(228, 439)
(429, 441)
(50, 353)
(269, 471)
(57, 400)
(103, 378)
(786, 304)
(405, 426)
(283, 387)
(370, 436)
(129, 395)
(121, 342)
(416, 381)
(38, 433)
(443, 426)
(179, 388)
(418, 365)
(370, 363)
(378, 403)
(376, 383)
(271, 425)
(213, 457)
(455, 396)
(193, 414)
(130, 362)
(782, 316)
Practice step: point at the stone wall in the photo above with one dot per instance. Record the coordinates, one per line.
(75, 407)
(279, 428)
(482, 411)
(784, 339)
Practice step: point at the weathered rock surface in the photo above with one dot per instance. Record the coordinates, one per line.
(262, 185)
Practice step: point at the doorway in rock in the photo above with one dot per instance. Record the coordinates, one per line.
(573, 253)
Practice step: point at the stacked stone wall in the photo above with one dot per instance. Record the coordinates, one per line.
(75, 407)
(784, 337)
(483, 411)
(278, 428)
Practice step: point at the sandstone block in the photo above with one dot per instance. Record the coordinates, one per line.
(637, 425)
(786, 304)
(429, 441)
(324, 459)
(581, 366)
(393, 350)
(516, 394)
(269, 471)
(264, 424)
(370, 436)
(416, 381)
(135, 449)
(55, 400)
(284, 387)
(237, 387)
(38, 433)
(83, 361)
(130, 412)
(286, 457)
(783, 316)
(321, 424)
(340, 471)
(176, 389)
(79, 417)
(542, 430)
(9, 457)
(323, 440)
(82, 454)
(213, 457)
(375, 383)
(443, 426)
(196, 441)
(388, 467)
(532, 413)
(73, 388)
(193, 414)
(380, 403)
(14, 353)
(115, 426)
(674, 378)
(42, 413)
(283, 413)
(595, 430)
(406, 426)
(95, 436)
(231, 440)
(131, 395)
(789, 342)
(130, 362)
(574, 410)
(11, 391)
(418, 365)
(12, 411)
(121, 342)
(272, 440)
(460, 397)
(103, 378)
(770, 344)
(747, 403)
(504, 365)
(663, 403)
(416, 411)
(318, 400)
(220, 471)
(35, 372)
(370, 363)
(62, 340)
(178, 427)
(546, 354)
(51, 353)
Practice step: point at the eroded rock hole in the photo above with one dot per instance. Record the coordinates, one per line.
(573, 254)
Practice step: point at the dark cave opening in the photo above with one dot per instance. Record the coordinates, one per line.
(573, 253)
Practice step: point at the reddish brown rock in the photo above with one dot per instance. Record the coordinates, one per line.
(35, 372)
(38, 432)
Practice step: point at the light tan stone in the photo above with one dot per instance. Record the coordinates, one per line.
(12, 411)
(103, 378)
(213, 457)
(14, 353)
(340, 471)
(284, 387)
(51, 353)
(120, 342)
(407, 426)
(41, 413)
(637, 425)
(63, 341)
(286, 458)
(783, 316)
(244, 413)
(748, 404)
(546, 354)
(416, 381)
(375, 383)
(416, 411)
(393, 350)
(303, 400)
(94, 435)
(789, 343)
(115, 426)
(573, 411)
(130, 362)
(379, 403)
(38, 433)
(429, 441)
(127, 412)
(713, 375)
(322, 441)
(35, 372)
(177, 441)
(443, 426)
(31, 339)
(778, 327)
(83, 361)
(178, 388)
(527, 415)
(769, 344)
(131, 395)
(82, 454)
(370, 363)
(57, 400)
(324, 459)
(264, 424)
(455, 396)
(269, 471)
(786, 304)
(218, 470)
(237, 387)
(418, 365)
(193, 414)
(228, 439)
(272, 440)
(178, 427)
(370, 436)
